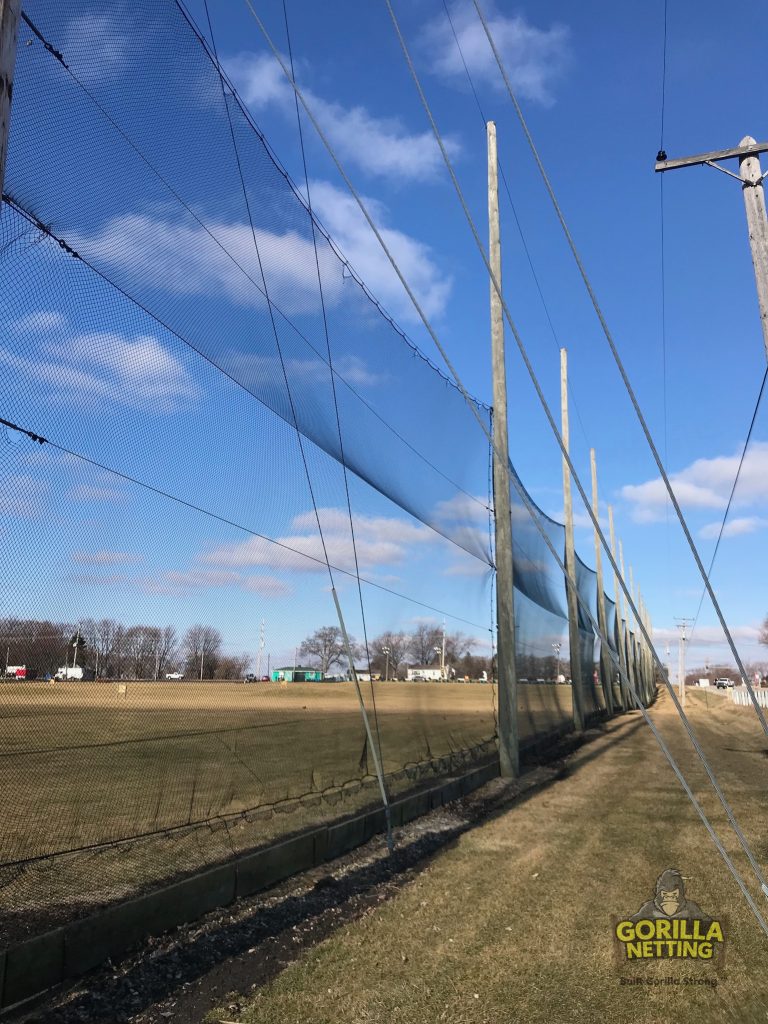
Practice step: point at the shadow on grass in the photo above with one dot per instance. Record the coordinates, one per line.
(271, 936)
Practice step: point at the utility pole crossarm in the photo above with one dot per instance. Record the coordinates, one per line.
(751, 178)
(705, 158)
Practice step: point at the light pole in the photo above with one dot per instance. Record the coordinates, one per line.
(556, 645)
(439, 650)
(387, 651)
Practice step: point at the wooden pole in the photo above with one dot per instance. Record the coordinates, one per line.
(757, 224)
(625, 695)
(9, 26)
(577, 682)
(509, 756)
(630, 653)
(605, 659)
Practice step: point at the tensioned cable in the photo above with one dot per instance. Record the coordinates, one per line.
(587, 504)
(511, 202)
(64, 245)
(733, 491)
(622, 372)
(249, 277)
(376, 756)
(518, 486)
(335, 399)
(664, 281)
(228, 522)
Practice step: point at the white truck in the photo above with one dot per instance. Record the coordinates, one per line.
(77, 672)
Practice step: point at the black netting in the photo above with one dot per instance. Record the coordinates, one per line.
(183, 482)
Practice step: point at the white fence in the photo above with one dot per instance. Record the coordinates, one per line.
(740, 695)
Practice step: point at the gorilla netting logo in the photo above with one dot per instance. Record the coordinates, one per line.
(670, 926)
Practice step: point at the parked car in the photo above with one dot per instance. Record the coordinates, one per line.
(174, 675)
(721, 684)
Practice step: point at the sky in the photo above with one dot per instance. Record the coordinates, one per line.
(590, 81)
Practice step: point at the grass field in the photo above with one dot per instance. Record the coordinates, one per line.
(83, 766)
(515, 921)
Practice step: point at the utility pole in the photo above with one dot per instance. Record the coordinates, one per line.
(261, 648)
(574, 640)
(605, 658)
(509, 756)
(682, 625)
(202, 658)
(750, 177)
(9, 27)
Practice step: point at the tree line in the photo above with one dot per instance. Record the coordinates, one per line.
(116, 651)
(391, 652)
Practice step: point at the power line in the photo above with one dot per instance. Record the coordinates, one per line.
(518, 224)
(630, 599)
(733, 491)
(230, 522)
(622, 371)
(526, 501)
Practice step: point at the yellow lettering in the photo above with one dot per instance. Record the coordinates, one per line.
(715, 932)
(663, 929)
(644, 929)
(648, 948)
(705, 950)
(634, 949)
(625, 931)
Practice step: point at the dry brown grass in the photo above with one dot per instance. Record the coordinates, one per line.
(514, 923)
(82, 765)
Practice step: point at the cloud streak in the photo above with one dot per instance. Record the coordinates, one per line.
(535, 59)
(379, 146)
(706, 484)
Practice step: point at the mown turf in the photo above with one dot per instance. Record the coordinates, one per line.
(83, 765)
(515, 922)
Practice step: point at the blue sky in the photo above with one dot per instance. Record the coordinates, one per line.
(589, 78)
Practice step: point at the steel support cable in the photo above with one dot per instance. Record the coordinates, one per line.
(623, 373)
(228, 522)
(483, 427)
(249, 277)
(364, 714)
(336, 407)
(512, 206)
(733, 492)
(587, 504)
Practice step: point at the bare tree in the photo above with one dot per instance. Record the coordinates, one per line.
(763, 635)
(397, 644)
(233, 666)
(202, 647)
(326, 648)
(423, 641)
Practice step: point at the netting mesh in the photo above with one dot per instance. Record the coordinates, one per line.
(170, 330)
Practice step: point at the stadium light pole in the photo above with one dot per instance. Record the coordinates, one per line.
(509, 753)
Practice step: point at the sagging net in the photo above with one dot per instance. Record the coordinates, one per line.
(208, 421)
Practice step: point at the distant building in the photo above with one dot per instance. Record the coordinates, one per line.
(296, 674)
(425, 673)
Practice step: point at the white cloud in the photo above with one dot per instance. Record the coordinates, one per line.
(183, 258)
(380, 146)
(87, 492)
(99, 39)
(41, 320)
(177, 583)
(105, 557)
(341, 215)
(379, 540)
(706, 483)
(734, 527)
(534, 58)
(137, 370)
